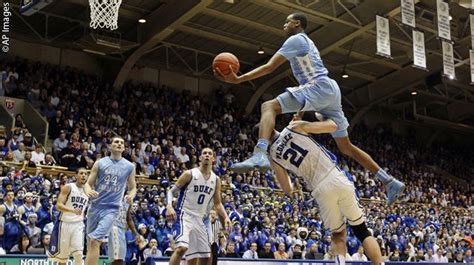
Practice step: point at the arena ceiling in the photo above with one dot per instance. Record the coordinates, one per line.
(186, 35)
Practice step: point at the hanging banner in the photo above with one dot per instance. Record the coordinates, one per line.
(383, 36)
(408, 13)
(444, 29)
(471, 19)
(419, 55)
(471, 56)
(448, 59)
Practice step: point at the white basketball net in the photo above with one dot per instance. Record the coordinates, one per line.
(104, 13)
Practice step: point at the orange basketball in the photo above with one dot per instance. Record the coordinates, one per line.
(224, 60)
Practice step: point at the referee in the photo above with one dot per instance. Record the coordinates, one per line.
(216, 228)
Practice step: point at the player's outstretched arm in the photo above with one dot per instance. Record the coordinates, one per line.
(131, 186)
(173, 191)
(274, 62)
(223, 217)
(130, 222)
(283, 179)
(91, 181)
(62, 198)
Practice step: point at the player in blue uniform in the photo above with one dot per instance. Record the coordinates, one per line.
(106, 184)
(316, 92)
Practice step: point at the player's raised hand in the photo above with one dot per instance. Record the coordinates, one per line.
(92, 194)
(77, 211)
(231, 77)
(170, 214)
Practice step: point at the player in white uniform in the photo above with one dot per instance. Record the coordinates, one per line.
(67, 238)
(196, 188)
(296, 151)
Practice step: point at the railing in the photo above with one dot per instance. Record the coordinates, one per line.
(54, 171)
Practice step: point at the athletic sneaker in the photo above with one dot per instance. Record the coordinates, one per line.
(258, 160)
(394, 189)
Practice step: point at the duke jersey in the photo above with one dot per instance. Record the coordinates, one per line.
(304, 58)
(77, 198)
(303, 156)
(27, 212)
(194, 199)
(111, 182)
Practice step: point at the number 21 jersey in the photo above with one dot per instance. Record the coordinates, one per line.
(303, 156)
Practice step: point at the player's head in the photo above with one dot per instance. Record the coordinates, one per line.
(295, 23)
(207, 157)
(118, 144)
(81, 176)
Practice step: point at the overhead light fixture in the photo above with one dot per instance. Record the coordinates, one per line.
(344, 74)
(414, 93)
(142, 20)
(451, 77)
(450, 18)
(229, 1)
(94, 52)
(261, 51)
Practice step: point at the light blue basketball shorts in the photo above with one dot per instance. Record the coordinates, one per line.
(117, 245)
(100, 221)
(323, 96)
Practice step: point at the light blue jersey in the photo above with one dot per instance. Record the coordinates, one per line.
(111, 182)
(304, 58)
(316, 92)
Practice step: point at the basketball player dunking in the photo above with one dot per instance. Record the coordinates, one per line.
(196, 188)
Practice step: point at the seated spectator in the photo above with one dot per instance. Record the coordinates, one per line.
(266, 252)
(60, 143)
(359, 255)
(3, 148)
(281, 253)
(230, 251)
(28, 141)
(37, 156)
(22, 246)
(19, 154)
(313, 253)
(251, 253)
(152, 251)
(48, 160)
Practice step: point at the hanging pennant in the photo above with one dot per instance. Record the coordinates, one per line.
(471, 56)
(471, 19)
(444, 29)
(383, 37)
(419, 55)
(448, 59)
(408, 13)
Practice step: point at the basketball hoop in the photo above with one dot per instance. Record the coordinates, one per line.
(104, 13)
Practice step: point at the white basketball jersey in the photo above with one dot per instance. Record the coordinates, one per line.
(195, 198)
(77, 198)
(303, 156)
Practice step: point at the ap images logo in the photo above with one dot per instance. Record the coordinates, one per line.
(9, 104)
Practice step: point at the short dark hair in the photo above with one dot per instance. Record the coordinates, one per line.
(302, 18)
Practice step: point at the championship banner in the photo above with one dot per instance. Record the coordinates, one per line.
(444, 29)
(471, 19)
(383, 36)
(419, 55)
(408, 13)
(471, 56)
(448, 60)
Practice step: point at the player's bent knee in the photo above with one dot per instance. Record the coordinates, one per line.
(271, 105)
(361, 232)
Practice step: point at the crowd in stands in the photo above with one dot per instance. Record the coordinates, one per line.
(164, 132)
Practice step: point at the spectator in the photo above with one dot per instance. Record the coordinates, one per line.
(281, 253)
(37, 156)
(359, 255)
(230, 251)
(33, 232)
(251, 253)
(29, 142)
(152, 251)
(313, 253)
(22, 246)
(266, 252)
(19, 154)
(60, 143)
